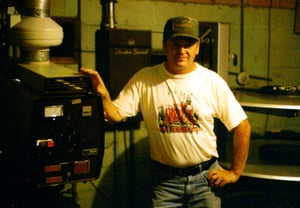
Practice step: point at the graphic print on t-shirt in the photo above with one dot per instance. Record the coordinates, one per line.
(179, 117)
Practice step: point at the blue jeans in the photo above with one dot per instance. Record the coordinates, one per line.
(184, 191)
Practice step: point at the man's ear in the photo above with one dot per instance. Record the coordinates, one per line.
(198, 47)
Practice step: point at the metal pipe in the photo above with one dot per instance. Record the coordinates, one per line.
(36, 8)
(108, 14)
(242, 37)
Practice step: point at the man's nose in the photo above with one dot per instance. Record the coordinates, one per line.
(181, 48)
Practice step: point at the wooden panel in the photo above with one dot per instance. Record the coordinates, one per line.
(228, 2)
(259, 3)
(275, 3)
(69, 51)
(199, 1)
(190, 1)
(287, 4)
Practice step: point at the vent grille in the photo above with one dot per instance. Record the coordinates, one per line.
(69, 85)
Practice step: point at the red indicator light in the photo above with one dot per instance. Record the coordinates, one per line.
(55, 179)
(82, 167)
(45, 143)
(50, 143)
(52, 168)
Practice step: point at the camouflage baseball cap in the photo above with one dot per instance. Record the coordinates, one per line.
(181, 26)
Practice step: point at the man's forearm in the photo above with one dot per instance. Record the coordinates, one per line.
(241, 141)
(111, 112)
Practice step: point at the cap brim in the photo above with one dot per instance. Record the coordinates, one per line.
(184, 36)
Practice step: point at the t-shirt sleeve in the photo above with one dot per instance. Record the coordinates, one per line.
(229, 110)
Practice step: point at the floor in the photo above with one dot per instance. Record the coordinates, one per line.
(126, 183)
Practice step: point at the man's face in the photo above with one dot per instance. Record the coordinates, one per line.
(181, 53)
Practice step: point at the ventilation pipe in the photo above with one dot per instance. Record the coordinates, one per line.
(108, 14)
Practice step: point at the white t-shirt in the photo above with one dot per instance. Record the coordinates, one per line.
(179, 111)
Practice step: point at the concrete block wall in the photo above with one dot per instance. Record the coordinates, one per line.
(272, 51)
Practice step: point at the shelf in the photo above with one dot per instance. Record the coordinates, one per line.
(281, 105)
(256, 100)
(271, 172)
(258, 167)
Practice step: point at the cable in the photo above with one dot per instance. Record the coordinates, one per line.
(100, 192)
(268, 57)
(269, 42)
(242, 37)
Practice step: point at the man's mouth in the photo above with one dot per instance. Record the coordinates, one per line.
(180, 58)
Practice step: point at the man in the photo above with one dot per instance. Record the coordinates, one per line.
(179, 100)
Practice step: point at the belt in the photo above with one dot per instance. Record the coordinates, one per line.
(193, 170)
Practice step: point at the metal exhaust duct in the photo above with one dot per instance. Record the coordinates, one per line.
(36, 31)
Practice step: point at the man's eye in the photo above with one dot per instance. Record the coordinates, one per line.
(182, 45)
(187, 45)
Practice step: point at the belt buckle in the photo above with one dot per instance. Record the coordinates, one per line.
(199, 167)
